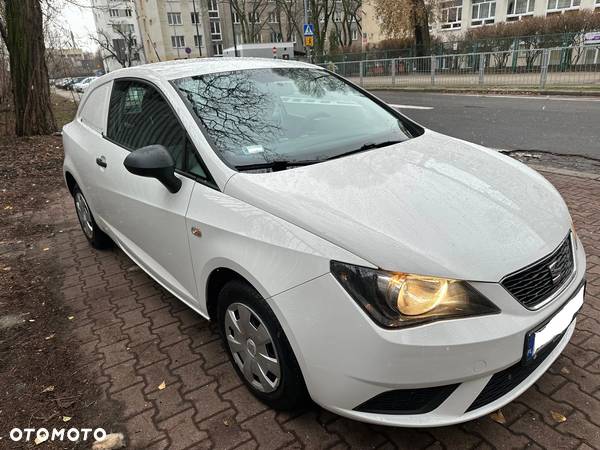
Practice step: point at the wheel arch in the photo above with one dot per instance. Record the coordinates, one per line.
(217, 278)
(70, 180)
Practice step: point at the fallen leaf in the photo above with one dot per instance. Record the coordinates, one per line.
(558, 417)
(40, 439)
(162, 385)
(32, 320)
(226, 422)
(111, 441)
(7, 268)
(49, 337)
(8, 207)
(565, 371)
(45, 249)
(71, 317)
(66, 418)
(498, 417)
(48, 389)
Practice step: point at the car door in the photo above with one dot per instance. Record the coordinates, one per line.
(145, 218)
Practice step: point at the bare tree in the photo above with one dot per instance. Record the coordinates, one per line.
(287, 13)
(22, 30)
(251, 18)
(348, 15)
(406, 18)
(124, 48)
(321, 13)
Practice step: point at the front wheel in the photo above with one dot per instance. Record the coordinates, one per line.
(258, 348)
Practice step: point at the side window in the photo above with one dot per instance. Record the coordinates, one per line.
(139, 116)
(92, 111)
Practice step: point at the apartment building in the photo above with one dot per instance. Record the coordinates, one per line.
(176, 29)
(456, 16)
(118, 33)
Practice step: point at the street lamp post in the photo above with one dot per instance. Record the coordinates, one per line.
(196, 17)
(235, 52)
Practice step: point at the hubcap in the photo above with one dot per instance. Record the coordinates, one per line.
(252, 347)
(84, 215)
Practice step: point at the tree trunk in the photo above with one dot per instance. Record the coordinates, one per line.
(421, 28)
(29, 73)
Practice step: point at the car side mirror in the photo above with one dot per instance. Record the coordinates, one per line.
(154, 161)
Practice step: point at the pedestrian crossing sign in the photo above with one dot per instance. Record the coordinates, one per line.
(309, 29)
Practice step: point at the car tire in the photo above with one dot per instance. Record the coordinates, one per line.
(282, 389)
(95, 236)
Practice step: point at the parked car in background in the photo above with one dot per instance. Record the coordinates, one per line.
(72, 81)
(83, 84)
(60, 83)
(394, 274)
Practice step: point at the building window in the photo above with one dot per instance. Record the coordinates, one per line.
(484, 12)
(123, 28)
(272, 17)
(236, 18)
(218, 49)
(128, 12)
(451, 14)
(198, 40)
(213, 9)
(215, 30)
(354, 34)
(517, 9)
(239, 38)
(276, 37)
(253, 17)
(195, 17)
(178, 41)
(174, 18)
(113, 12)
(557, 5)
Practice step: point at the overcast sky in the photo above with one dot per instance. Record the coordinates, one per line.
(81, 22)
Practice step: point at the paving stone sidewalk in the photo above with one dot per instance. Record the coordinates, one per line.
(133, 335)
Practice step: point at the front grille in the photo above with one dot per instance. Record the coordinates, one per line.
(535, 283)
(408, 401)
(503, 382)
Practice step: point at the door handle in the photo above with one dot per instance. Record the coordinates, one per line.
(101, 161)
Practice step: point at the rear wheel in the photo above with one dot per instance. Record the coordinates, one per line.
(258, 348)
(96, 237)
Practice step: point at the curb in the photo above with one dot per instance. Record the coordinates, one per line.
(567, 172)
(495, 91)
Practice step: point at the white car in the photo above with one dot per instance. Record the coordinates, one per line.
(83, 84)
(392, 274)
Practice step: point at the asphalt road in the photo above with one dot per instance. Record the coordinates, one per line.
(569, 125)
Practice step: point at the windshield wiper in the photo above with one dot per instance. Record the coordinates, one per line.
(280, 164)
(365, 147)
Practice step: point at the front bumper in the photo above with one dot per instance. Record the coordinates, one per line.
(347, 360)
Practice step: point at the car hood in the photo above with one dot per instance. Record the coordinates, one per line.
(432, 205)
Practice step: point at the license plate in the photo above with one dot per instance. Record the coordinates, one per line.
(537, 339)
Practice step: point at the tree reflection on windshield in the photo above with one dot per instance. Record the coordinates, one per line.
(284, 114)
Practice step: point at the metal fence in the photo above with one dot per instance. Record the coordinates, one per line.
(460, 46)
(533, 68)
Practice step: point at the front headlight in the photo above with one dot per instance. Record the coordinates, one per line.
(396, 300)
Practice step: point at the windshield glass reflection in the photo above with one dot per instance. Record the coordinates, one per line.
(287, 116)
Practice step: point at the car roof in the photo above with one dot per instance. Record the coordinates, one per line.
(170, 70)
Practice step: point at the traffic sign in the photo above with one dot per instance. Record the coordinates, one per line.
(309, 29)
(188, 50)
(308, 41)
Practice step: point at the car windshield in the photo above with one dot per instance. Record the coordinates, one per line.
(287, 116)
